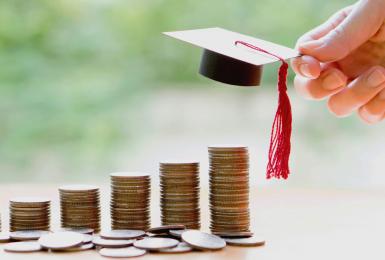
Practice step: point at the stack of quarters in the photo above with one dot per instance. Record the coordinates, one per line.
(29, 214)
(229, 188)
(130, 200)
(80, 206)
(179, 182)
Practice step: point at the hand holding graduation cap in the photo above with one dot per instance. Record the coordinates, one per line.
(344, 61)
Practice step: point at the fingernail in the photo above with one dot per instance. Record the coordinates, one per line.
(305, 71)
(332, 81)
(382, 95)
(376, 78)
(311, 45)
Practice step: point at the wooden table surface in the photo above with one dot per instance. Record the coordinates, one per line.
(297, 224)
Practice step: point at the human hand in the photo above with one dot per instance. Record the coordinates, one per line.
(343, 60)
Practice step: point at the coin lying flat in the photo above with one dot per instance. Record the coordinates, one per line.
(177, 232)
(61, 240)
(155, 243)
(4, 238)
(82, 247)
(87, 238)
(182, 247)
(234, 234)
(122, 234)
(112, 243)
(203, 241)
(165, 229)
(89, 231)
(28, 234)
(122, 252)
(23, 247)
(249, 241)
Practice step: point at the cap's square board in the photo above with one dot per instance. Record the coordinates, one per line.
(223, 42)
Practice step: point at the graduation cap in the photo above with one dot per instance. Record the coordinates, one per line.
(238, 59)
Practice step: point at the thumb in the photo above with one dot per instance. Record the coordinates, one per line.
(358, 26)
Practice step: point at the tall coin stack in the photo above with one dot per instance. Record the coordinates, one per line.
(29, 214)
(179, 200)
(130, 200)
(80, 206)
(229, 188)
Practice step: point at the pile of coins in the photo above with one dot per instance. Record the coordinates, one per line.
(29, 214)
(229, 189)
(123, 243)
(179, 202)
(80, 206)
(130, 200)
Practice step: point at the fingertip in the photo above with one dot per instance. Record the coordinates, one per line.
(307, 66)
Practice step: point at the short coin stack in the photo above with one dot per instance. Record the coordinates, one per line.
(29, 214)
(80, 206)
(179, 203)
(229, 188)
(130, 200)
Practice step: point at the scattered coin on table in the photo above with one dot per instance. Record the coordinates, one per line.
(182, 247)
(88, 231)
(28, 234)
(155, 243)
(87, 238)
(203, 241)
(112, 243)
(61, 240)
(165, 229)
(122, 252)
(233, 234)
(122, 234)
(4, 237)
(177, 232)
(23, 247)
(83, 247)
(249, 241)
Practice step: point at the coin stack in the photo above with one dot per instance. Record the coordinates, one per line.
(229, 188)
(130, 200)
(29, 214)
(80, 206)
(179, 200)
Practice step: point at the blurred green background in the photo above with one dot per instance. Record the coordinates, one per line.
(90, 87)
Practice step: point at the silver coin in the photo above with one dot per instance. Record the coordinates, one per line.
(89, 231)
(155, 243)
(4, 238)
(109, 243)
(23, 247)
(233, 234)
(61, 240)
(178, 232)
(165, 229)
(248, 241)
(203, 241)
(87, 238)
(28, 234)
(182, 247)
(122, 252)
(83, 247)
(122, 234)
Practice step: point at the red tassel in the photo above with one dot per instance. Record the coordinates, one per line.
(280, 145)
